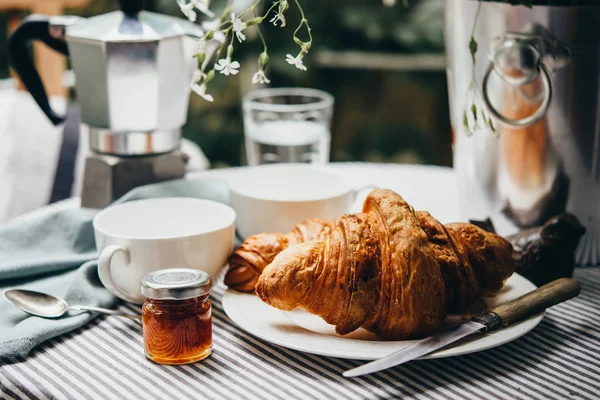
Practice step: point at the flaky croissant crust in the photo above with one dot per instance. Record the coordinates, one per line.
(388, 269)
(375, 270)
(250, 259)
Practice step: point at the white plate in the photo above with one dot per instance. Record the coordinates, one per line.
(299, 330)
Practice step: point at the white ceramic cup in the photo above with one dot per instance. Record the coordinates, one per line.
(141, 236)
(276, 197)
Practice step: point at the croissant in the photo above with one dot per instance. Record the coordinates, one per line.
(388, 269)
(250, 259)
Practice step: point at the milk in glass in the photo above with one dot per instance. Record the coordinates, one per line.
(287, 141)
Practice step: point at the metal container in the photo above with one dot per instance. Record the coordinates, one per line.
(133, 76)
(537, 75)
(133, 70)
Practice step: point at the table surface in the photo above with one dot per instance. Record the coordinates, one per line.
(560, 359)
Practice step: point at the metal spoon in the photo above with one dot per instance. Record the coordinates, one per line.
(48, 306)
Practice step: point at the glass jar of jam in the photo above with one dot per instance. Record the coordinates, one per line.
(176, 315)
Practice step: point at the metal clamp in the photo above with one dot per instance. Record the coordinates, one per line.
(538, 115)
(133, 143)
(490, 319)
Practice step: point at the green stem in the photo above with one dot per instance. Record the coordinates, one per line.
(271, 9)
(232, 37)
(217, 54)
(472, 42)
(262, 38)
(300, 8)
(241, 16)
(250, 10)
(476, 19)
(218, 28)
(224, 19)
(226, 11)
(304, 21)
(220, 49)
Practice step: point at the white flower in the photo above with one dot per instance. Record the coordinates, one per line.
(198, 87)
(278, 17)
(260, 77)
(200, 90)
(187, 9)
(238, 27)
(296, 61)
(283, 6)
(227, 67)
(202, 6)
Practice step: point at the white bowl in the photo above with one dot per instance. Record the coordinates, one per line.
(141, 236)
(276, 197)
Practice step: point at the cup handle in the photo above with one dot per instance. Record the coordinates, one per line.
(104, 263)
(361, 189)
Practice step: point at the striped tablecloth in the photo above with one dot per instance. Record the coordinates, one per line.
(560, 359)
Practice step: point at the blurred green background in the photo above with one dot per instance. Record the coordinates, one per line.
(384, 66)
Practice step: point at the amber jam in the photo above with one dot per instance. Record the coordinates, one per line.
(176, 315)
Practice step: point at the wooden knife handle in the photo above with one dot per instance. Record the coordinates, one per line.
(534, 302)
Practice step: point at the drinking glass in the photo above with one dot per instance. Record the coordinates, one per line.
(287, 125)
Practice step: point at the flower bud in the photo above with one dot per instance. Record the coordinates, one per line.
(210, 35)
(305, 46)
(209, 76)
(200, 60)
(254, 21)
(263, 59)
(200, 56)
(283, 6)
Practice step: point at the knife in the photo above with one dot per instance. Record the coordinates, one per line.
(515, 310)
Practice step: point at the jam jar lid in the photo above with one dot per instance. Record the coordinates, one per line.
(175, 284)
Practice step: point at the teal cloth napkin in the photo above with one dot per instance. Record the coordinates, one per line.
(55, 253)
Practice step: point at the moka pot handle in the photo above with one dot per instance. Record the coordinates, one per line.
(49, 30)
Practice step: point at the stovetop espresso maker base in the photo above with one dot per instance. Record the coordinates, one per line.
(107, 178)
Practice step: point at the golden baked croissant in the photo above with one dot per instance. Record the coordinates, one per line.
(472, 260)
(388, 269)
(248, 261)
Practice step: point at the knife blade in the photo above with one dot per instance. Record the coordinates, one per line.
(417, 350)
(515, 310)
